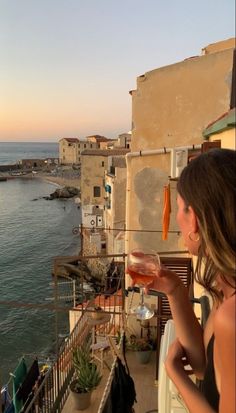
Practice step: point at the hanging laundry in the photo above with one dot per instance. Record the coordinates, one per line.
(166, 212)
(10, 408)
(18, 378)
(25, 391)
(5, 398)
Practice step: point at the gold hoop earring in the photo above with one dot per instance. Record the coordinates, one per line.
(191, 239)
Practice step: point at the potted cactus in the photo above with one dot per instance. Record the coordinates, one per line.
(87, 377)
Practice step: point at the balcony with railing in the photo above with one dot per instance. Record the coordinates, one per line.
(114, 298)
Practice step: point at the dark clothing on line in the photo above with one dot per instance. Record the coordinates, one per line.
(25, 390)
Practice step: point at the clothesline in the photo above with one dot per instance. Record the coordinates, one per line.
(26, 379)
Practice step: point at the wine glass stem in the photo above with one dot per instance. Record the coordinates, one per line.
(141, 289)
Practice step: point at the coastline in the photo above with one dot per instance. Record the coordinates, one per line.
(71, 179)
(59, 180)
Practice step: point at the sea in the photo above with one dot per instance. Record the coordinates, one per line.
(32, 231)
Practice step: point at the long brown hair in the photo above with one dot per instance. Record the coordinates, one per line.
(208, 184)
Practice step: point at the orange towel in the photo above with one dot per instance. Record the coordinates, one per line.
(166, 212)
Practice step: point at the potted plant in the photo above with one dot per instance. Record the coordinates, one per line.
(143, 348)
(87, 377)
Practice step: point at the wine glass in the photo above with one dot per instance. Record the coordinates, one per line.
(142, 266)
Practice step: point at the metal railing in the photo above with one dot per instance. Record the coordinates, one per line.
(53, 389)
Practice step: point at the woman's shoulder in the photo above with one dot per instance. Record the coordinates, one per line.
(225, 317)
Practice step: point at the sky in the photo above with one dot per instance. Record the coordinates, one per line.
(67, 66)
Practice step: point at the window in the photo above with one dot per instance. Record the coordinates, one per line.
(91, 145)
(96, 191)
(102, 163)
(112, 170)
(84, 145)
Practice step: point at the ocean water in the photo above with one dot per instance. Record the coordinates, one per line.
(32, 232)
(11, 152)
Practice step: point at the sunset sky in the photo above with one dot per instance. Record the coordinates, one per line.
(67, 66)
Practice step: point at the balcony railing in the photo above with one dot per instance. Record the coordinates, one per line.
(53, 390)
(52, 393)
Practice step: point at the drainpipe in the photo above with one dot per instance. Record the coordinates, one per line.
(137, 154)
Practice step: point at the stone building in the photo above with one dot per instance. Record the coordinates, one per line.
(101, 141)
(68, 151)
(95, 164)
(70, 148)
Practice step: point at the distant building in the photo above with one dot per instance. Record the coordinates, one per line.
(124, 140)
(94, 165)
(115, 202)
(70, 148)
(68, 151)
(30, 164)
(101, 141)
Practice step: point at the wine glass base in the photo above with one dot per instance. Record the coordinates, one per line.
(142, 312)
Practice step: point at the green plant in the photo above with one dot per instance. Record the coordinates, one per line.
(88, 376)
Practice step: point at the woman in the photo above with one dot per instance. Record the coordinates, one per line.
(206, 217)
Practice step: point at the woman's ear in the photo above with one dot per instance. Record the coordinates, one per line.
(193, 220)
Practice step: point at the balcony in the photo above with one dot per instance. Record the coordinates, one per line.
(53, 394)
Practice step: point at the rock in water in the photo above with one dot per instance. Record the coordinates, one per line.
(66, 192)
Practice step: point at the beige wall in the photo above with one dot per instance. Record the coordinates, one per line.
(92, 174)
(172, 105)
(70, 152)
(146, 177)
(82, 146)
(227, 138)
(219, 46)
(67, 152)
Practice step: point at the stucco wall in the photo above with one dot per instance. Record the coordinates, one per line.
(173, 104)
(147, 176)
(92, 174)
(67, 152)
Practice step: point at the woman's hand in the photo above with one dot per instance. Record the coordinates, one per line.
(176, 361)
(166, 281)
